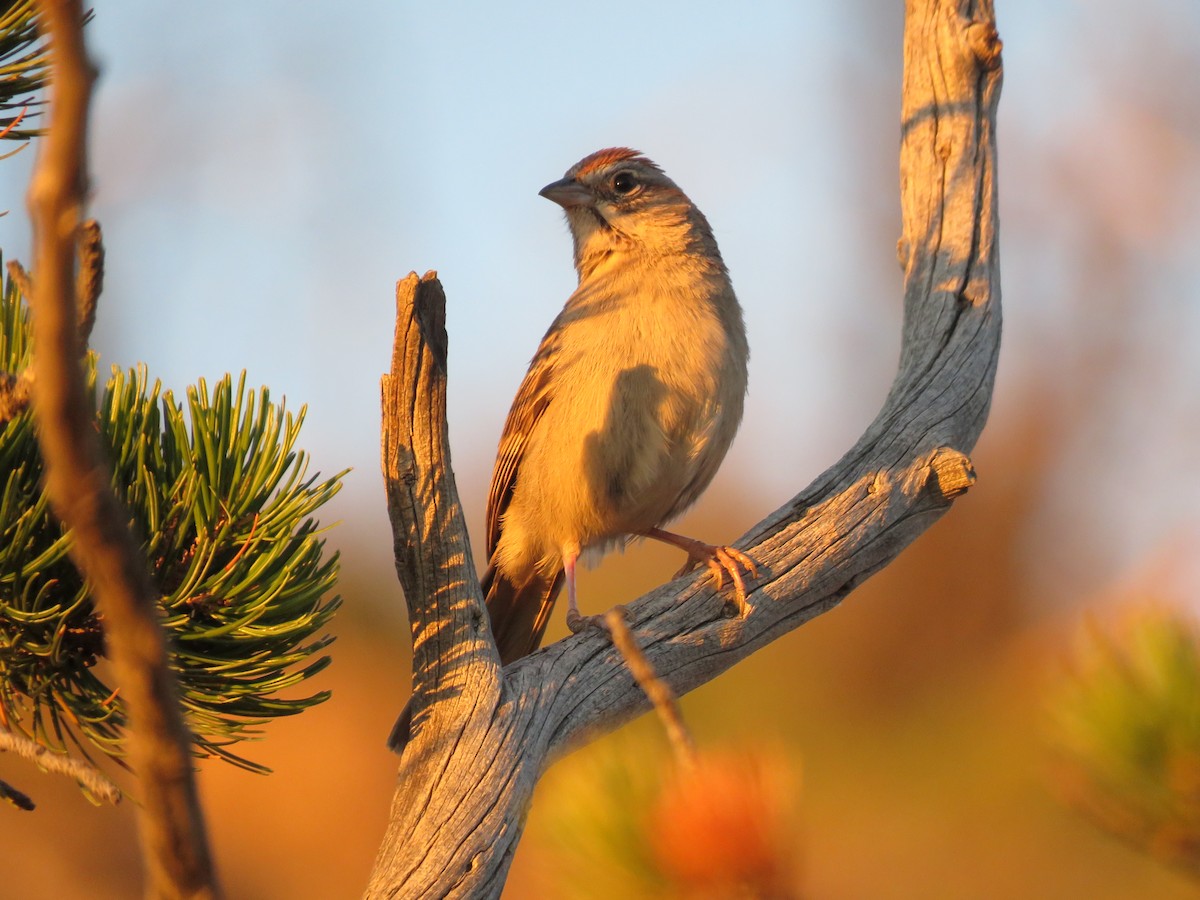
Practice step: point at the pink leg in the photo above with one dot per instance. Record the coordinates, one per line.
(720, 561)
(575, 622)
(570, 555)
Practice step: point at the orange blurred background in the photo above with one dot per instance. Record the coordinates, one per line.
(915, 715)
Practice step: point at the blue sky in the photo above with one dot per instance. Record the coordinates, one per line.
(266, 171)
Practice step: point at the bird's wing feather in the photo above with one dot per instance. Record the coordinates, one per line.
(532, 399)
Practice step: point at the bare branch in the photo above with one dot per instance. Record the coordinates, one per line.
(77, 485)
(467, 779)
(17, 798)
(656, 690)
(456, 668)
(452, 644)
(90, 778)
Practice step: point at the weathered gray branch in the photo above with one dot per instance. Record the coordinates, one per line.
(481, 737)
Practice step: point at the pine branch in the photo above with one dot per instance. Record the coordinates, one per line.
(24, 70)
(220, 491)
(77, 484)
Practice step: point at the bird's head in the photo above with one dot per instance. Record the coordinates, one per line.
(617, 200)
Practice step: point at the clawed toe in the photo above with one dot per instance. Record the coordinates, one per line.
(720, 561)
(729, 561)
(577, 622)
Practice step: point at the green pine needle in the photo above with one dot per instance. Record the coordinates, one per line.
(224, 504)
(24, 69)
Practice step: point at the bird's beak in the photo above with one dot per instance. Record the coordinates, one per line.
(567, 193)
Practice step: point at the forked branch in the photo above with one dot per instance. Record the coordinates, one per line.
(482, 737)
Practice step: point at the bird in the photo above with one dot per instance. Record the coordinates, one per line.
(628, 407)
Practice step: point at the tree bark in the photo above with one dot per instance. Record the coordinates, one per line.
(482, 736)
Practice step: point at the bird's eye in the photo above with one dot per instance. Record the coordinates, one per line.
(624, 183)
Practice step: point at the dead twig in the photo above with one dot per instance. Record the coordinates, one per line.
(90, 778)
(656, 690)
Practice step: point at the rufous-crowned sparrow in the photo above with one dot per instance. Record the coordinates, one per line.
(629, 404)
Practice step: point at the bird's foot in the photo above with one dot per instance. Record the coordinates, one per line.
(576, 622)
(721, 561)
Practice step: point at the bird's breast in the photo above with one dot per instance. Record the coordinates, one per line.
(649, 396)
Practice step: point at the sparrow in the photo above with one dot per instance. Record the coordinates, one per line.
(629, 404)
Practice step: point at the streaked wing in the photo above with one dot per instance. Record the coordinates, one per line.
(531, 401)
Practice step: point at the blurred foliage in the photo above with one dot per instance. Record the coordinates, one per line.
(723, 828)
(24, 68)
(223, 501)
(1127, 732)
(642, 825)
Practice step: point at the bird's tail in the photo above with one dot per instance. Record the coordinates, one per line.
(519, 612)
